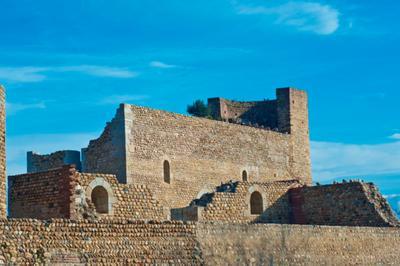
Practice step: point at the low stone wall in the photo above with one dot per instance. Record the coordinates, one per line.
(269, 244)
(109, 242)
(122, 242)
(41, 195)
(354, 203)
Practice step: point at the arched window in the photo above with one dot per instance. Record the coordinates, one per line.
(100, 199)
(256, 203)
(167, 172)
(244, 175)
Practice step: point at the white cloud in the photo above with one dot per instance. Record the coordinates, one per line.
(117, 99)
(22, 74)
(331, 160)
(37, 74)
(159, 64)
(100, 71)
(395, 136)
(17, 146)
(304, 16)
(13, 108)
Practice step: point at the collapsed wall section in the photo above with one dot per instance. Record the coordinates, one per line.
(107, 154)
(350, 204)
(261, 113)
(39, 163)
(236, 202)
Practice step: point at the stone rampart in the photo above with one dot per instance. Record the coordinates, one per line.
(27, 241)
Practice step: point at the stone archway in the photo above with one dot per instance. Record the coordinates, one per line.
(100, 199)
(102, 196)
(256, 203)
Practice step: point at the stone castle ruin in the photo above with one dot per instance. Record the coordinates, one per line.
(164, 188)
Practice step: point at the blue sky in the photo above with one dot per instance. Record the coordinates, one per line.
(68, 64)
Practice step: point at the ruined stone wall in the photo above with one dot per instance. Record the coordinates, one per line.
(41, 195)
(269, 244)
(39, 163)
(201, 153)
(128, 201)
(107, 154)
(66, 193)
(122, 242)
(262, 113)
(234, 205)
(3, 178)
(354, 203)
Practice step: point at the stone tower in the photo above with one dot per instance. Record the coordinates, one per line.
(292, 112)
(3, 193)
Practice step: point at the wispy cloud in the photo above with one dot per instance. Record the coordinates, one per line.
(100, 71)
(159, 64)
(304, 16)
(13, 108)
(22, 74)
(331, 160)
(38, 74)
(117, 99)
(395, 136)
(17, 146)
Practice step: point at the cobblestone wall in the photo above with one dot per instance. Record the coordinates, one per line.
(122, 242)
(27, 241)
(268, 244)
(234, 203)
(66, 193)
(353, 203)
(3, 178)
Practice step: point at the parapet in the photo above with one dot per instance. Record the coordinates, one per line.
(39, 163)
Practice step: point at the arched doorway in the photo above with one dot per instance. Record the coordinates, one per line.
(256, 203)
(100, 199)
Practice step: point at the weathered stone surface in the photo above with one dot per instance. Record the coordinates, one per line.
(269, 244)
(201, 153)
(66, 193)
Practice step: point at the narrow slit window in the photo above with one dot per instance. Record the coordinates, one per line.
(244, 176)
(167, 172)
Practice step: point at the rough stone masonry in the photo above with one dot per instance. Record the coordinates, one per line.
(240, 185)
